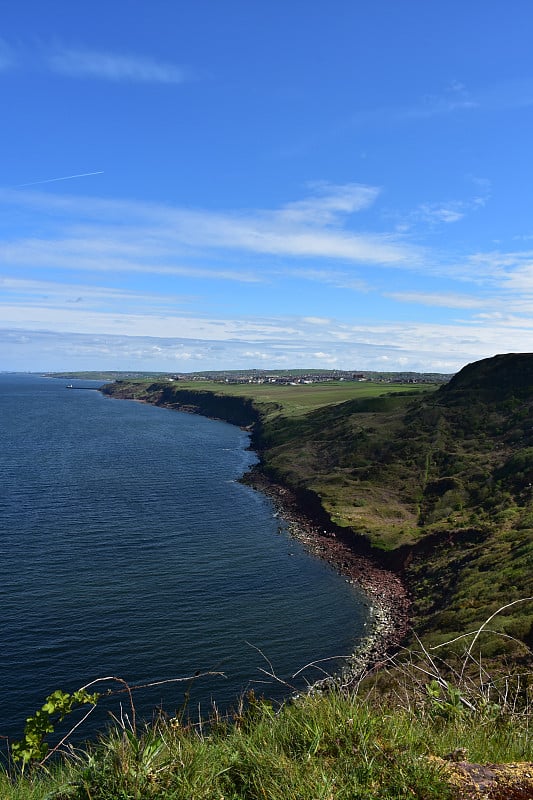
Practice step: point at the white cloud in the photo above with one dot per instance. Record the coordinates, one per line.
(512, 270)
(121, 242)
(332, 201)
(124, 238)
(441, 213)
(443, 300)
(257, 355)
(151, 236)
(140, 238)
(316, 320)
(336, 278)
(263, 237)
(234, 344)
(307, 228)
(85, 63)
(106, 255)
(326, 359)
(42, 293)
(167, 318)
(451, 210)
(129, 320)
(521, 280)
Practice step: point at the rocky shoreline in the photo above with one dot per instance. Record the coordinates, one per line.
(388, 599)
(387, 596)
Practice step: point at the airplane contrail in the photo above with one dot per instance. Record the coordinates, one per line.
(66, 178)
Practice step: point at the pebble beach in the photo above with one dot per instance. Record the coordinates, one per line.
(387, 597)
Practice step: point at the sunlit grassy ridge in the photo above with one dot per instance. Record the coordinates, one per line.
(271, 400)
(292, 401)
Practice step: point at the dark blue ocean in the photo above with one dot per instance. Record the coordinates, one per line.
(129, 548)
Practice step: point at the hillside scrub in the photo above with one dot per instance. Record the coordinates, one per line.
(441, 485)
(438, 484)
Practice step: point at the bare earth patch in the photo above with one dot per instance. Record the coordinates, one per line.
(490, 781)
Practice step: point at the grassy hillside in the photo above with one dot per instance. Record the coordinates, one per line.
(269, 400)
(438, 485)
(442, 484)
(437, 482)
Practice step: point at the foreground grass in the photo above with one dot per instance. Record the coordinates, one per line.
(341, 745)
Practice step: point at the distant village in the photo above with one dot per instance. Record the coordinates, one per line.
(295, 377)
(300, 377)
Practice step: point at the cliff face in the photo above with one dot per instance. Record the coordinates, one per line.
(235, 410)
(439, 485)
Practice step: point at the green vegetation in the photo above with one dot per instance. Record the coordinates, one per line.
(441, 484)
(269, 400)
(297, 400)
(392, 738)
(56, 707)
(437, 482)
(438, 485)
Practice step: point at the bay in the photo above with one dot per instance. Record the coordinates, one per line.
(129, 548)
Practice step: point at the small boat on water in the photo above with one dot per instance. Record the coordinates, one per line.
(70, 386)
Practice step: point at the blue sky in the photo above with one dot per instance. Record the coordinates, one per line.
(192, 186)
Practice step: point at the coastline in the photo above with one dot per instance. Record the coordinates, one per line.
(387, 597)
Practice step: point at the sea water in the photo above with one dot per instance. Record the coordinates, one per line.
(129, 548)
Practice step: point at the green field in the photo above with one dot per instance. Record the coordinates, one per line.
(294, 401)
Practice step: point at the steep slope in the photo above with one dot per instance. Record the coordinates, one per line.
(441, 484)
(438, 486)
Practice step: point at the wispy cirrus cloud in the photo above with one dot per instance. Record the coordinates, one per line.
(515, 297)
(47, 342)
(449, 211)
(265, 236)
(315, 239)
(152, 237)
(137, 257)
(510, 270)
(455, 98)
(135, 246)
(310, 228)
(44, 293)
(86, 63)
(329, 203)
(444, 300)
(330, 277)
(453, 212)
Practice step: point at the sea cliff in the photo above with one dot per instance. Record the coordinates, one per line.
(306, 519)
(434, 491)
